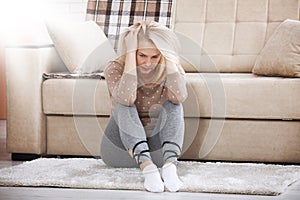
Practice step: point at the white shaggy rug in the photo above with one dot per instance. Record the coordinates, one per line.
(236, 178)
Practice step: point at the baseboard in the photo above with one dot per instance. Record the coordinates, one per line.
(24, 156)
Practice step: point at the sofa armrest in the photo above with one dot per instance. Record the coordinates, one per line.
(25, 66)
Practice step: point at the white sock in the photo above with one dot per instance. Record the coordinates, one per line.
(152, 182)
(170, 177)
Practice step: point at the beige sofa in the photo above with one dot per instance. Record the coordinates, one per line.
(231, 114)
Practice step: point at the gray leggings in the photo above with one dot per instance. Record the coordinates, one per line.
(125, 131)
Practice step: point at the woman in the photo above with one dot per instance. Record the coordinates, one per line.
(147, 87)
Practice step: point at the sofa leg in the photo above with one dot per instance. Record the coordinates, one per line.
(24, 157)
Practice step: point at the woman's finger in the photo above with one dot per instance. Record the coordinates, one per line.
(137, 30)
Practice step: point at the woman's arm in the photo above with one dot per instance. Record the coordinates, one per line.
(122, 82)
(125, 93)
(175, 83)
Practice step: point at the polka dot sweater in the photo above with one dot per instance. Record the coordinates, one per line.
(148, 100)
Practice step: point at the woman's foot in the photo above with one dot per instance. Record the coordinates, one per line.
(170, 177)
(152, 182)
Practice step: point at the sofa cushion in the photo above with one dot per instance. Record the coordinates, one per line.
(231, 33)
(242, 95)
(82, 46)
(211, 95)
(281, 54)
(76, 96)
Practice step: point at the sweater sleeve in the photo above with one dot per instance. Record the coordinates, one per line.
(176, 86)
(122, 86)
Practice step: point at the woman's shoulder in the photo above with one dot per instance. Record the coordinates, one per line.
(114, 65)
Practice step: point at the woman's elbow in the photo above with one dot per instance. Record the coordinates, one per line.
(131, 102)
(126, 101)
(178, 99)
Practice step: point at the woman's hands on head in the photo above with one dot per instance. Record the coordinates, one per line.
(131, 43)
(131, 40)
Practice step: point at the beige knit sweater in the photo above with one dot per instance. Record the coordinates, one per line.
(148, 99)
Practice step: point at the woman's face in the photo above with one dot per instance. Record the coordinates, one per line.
(147, 57)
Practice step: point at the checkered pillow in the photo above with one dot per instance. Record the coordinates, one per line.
(115, 15)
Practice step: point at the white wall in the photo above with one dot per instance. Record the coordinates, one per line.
(22, 21)
(70, 9)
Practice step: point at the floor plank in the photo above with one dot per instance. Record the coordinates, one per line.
(11, 193)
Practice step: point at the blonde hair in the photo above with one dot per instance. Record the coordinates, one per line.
(162, 37)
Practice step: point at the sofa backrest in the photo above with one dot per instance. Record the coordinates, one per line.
(230, 33)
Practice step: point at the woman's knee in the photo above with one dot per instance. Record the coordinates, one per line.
(171, 107)
(120, 107)
(123, 112)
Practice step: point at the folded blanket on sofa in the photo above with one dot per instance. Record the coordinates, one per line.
(99, 75)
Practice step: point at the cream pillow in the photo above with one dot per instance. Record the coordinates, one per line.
(82, 46)
(281, 54)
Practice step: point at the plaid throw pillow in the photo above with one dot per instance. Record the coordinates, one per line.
(115, 15)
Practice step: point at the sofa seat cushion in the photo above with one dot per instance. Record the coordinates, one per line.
(76, 97)
(211, 95)
(242, 95)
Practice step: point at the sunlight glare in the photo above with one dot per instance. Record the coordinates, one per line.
(19, 20)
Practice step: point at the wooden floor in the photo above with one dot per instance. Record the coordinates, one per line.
(3, 154)
(34, 193)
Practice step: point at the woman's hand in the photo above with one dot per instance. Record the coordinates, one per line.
(131, 40)
(171, 67)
